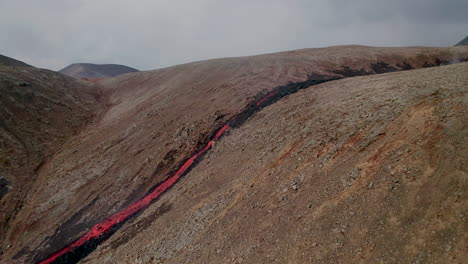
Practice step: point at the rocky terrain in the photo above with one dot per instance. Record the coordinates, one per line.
(345, 169)
(91, 71)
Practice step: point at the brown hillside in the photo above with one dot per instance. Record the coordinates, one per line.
(362, 170)
(156, 119)
(39, 111)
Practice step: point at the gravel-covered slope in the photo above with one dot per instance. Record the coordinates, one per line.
(362, 170)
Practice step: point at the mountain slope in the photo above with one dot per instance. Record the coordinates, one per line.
(7, 61)
(88, 70)
(39, 111)
(463, 42)
(360, 170)
(154, 120)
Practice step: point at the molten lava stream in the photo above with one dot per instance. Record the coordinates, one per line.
(120, 217)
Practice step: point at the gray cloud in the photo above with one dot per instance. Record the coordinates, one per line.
(149, 34)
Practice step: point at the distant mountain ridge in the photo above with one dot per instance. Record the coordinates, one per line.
(463, 42)
(4, 60)
(89, 70)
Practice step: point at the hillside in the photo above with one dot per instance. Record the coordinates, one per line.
(90, 71)
(153, 121)
(7, 61)
(352, 171)
(463, 42)
(39, 111)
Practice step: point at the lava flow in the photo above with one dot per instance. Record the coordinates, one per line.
(102, 231)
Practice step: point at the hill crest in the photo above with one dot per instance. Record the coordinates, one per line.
(7, 61)
(463, 42)
(90, 70)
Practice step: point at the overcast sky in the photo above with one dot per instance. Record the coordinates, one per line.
(149, 34)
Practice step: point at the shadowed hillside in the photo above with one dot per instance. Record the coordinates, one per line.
(7, 61)
(39, 111)
(463, 42)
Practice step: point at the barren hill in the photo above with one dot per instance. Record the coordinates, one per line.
(463, 42)
(7, 61)
(88, 70)
(299, 179)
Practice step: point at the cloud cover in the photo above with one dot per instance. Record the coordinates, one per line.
(149, 34)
